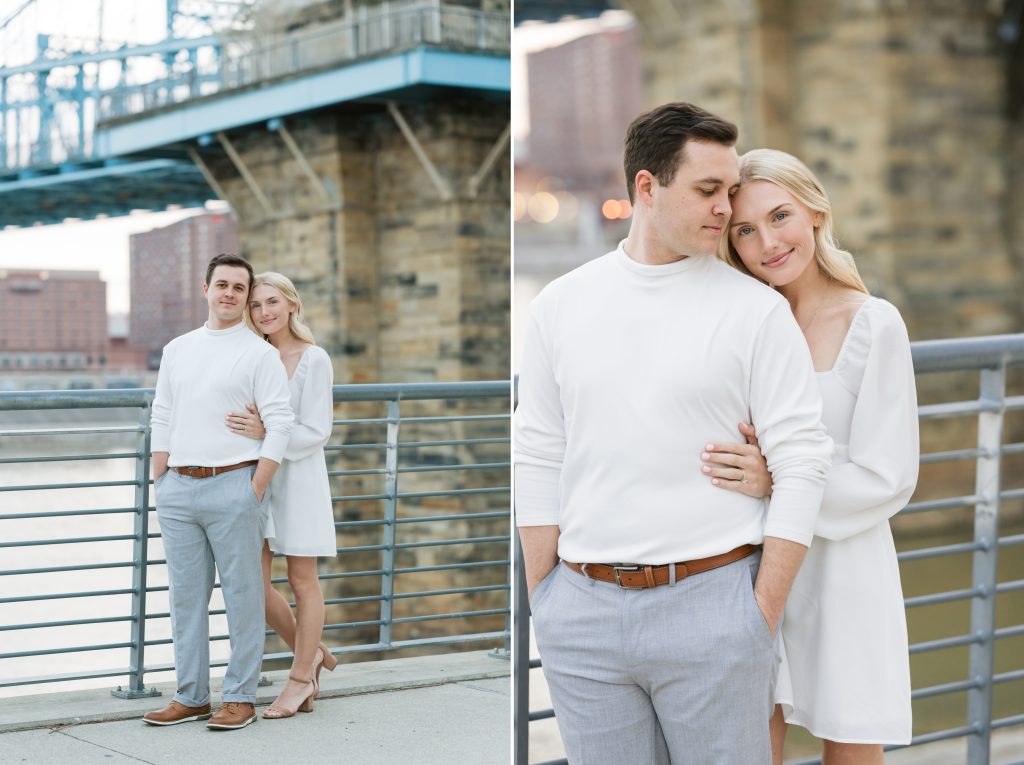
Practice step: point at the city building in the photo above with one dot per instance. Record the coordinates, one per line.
(52, 320)
(168, 268)
(585, 93)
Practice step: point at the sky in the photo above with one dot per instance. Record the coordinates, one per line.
(99, 245)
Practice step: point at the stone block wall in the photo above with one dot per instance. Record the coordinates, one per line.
(906, 112)
(399, 285)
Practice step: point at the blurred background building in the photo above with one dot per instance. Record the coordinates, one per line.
(168, 266)
(52, 321)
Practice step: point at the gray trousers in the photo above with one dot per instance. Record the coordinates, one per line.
(682, 674)
(207, 522)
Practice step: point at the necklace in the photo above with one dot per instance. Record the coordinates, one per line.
(824, 302)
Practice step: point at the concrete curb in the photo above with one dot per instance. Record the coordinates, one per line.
(97, 705)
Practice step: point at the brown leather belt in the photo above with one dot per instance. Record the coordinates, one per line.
(194, 471)
(644, 577)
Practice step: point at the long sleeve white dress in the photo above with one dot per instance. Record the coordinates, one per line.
(845, 672)
(301, 514)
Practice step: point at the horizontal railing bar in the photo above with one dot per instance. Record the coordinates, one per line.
(1006, 632)
(956, 409)
(944, 688)
(1015, 539)
(364, 471)
(89, 485)
(453, 442)
(451, 566)
(454, 591)
(456, 517)
(95, 674)
(1011, 494)
(1008, 677)
(353, 574)
(967, 353)
(1013, 586)
(935, 552)
(67, 513)
(448, 542)
(942, 643)
(73, 649)
(942, 597)
(456, 417)
(70, 458)
(71, 431)
(64, 595)
(535, 664)
(543, 714)
(1013, 448)
(443, 468)
(956, 454)
(456, 615)
(1014, 403)
(61, 569)
(354, 447)
(1006, 722)
(940, 504)
(65, 623)
(453, 492)
(68, 541)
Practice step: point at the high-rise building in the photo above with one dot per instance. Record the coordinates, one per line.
(583, 95)
(52, 320)
(168, 268)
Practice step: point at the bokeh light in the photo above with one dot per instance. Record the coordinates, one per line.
(518, 205)
(543, 207)
(611, 209)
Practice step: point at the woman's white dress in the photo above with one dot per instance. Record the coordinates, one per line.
(301, 518)
(845, 672)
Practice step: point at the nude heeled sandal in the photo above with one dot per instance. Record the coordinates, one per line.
(275, 712)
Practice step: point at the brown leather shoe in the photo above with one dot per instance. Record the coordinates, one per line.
(232, 715)
(175, 713)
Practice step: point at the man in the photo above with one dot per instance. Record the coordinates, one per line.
(211, 486)
(656, 646)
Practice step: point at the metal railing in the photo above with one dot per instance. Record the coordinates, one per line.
(426, 461)
(56, 102)
(991, 357)
(372, 32)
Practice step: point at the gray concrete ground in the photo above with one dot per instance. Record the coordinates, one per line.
(453, 708)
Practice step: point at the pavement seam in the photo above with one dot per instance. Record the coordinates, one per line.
(63, 731)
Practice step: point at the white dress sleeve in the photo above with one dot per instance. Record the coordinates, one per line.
(539, 425)
(163, 403)
(880, 474)
(314, 417)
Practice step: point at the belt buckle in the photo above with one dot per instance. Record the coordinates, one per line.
(190, 468)
(632, 569)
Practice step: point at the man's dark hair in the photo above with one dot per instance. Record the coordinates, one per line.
(228, 260)
(656, 140)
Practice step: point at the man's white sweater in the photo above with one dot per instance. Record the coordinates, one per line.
(206, 374)
(628, 371)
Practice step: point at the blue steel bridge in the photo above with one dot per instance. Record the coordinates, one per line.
(92, 128)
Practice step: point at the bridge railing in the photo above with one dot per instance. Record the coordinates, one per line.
(423, 518)
(373, 31)
(991, 357)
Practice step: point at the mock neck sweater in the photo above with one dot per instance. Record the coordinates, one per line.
(207, 374)
(628, 371)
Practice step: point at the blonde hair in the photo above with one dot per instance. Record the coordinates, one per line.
(296, 324)
(789, 173)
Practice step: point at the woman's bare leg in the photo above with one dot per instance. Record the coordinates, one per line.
(852, 754)
(278, 613)
(306, 629)
(778, 727)
(309, 612)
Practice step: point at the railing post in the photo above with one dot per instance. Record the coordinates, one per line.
(387, 580)
(136, 687)
(521, 660)
(986, 532)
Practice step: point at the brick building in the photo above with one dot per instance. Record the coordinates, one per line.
(52, 320)
(168, 268)
(585, 93)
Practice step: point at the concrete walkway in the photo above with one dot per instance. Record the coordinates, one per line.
(449, 709)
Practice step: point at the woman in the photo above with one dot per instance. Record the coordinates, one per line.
(845, 670)
(301, 522)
